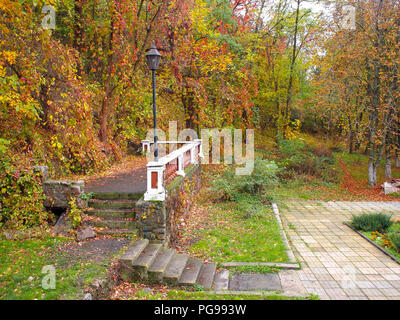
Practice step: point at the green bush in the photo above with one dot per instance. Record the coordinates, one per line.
(395, 238)
(371, 222)
(299, 159)
(231, 186)
(21, 197)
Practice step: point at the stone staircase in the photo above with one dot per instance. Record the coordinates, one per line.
(113, 213)
(152, 263)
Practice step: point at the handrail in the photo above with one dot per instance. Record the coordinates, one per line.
(146, 144)
(160, 172)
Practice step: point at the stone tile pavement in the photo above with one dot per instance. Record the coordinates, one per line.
(336, 262)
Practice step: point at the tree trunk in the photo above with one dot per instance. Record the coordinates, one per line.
(286, 113)
(105, 106)
(78, 31)
(371, 173)
(351, 138)
(187, 98)
(396, 154)
(388, 167)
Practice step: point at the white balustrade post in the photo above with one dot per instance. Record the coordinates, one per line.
(192, 150)
(200, 143)
(145, 146)
(180, 171)
(155, 188)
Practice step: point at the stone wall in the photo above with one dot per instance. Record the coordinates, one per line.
(157, 219)
(59, 192)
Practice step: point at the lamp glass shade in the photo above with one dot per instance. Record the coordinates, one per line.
(153, 58)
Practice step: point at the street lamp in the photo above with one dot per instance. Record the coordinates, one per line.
(153, 60)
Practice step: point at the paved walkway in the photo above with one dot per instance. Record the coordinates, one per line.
(130, 182)
(336, 262)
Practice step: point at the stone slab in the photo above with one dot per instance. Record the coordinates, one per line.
(249, 282)
(221, 280)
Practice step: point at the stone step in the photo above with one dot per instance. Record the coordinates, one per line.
(206, 276)
(221, 280)
(175, 268)
(130, 255)
(117, 195)
(117, 232)
(111, 213)
(145, 259)
(112, 204)
(158, 267)
(115, 224)
(191, 272)
(133, 252)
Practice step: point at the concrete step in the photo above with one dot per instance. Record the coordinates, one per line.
(191, 272)
(145, 260)
(175, 268)
(221, 280)
(112, 204)
(130, 255)
(206, 276)
(158, 267)
(117, 232)
(111, 213)
(117, 195)
(134, 251)
(115, 224)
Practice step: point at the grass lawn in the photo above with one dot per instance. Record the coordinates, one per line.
(237, 231)
(21, 264)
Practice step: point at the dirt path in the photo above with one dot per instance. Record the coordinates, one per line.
(359, 189)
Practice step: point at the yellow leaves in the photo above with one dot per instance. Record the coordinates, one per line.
(55, 143)
(200, 17)
(2, 72)
(10, 7)
(9, 56)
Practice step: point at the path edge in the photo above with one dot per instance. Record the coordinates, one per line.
(289, 250)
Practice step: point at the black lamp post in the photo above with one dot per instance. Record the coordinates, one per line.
(153, 60)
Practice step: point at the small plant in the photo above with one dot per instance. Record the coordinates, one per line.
(232, 187)
(87, 196)
(395, 239)
(74, 213)
(371, 222)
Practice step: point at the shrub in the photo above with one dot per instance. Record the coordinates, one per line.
(371, 222)
(395, 238)
(323, 151)
(74, 213)
(21, 197)
(264, 175)
(299, 159)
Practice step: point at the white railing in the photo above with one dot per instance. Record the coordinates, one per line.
(163, 171)
(147, 145)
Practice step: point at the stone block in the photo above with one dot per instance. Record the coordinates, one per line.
(59, 193)
(44, 172)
